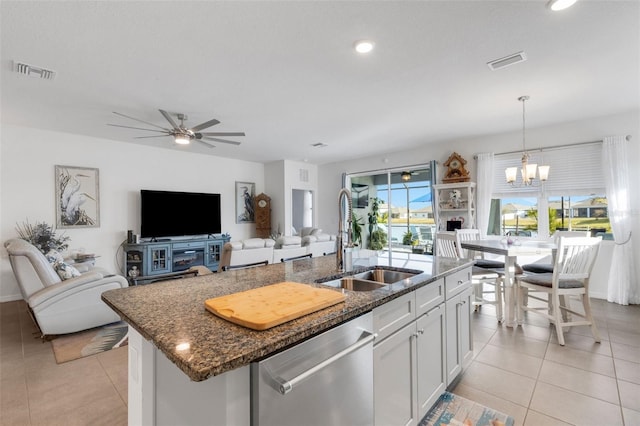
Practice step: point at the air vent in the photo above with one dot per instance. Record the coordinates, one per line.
(32, 71)
(319, 145)
(304, 175)
(507, 60)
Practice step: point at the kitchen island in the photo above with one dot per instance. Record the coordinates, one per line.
(176, 347)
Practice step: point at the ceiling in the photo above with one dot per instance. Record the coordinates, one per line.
(286, 73)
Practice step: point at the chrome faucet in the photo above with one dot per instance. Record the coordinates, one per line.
(343, 253)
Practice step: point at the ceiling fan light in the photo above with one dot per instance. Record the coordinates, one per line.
(182, 140)
(405, 176)
(557, 5)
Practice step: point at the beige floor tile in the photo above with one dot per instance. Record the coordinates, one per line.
(625, 337)
(538, 419)
(488, 321)
(584, 343)
(518, 412)
(623, 325)
(503, 384)
(629, 395)
(517, 341)
(580, 381)
(572, 407)
(510, 360)
(580, 359)
(482, 334)
(627, 371)
(631, 417)
(115, 364)
(626, 352)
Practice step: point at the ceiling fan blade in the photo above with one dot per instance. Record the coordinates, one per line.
(137, 119)
(154, 136)
(206, 138)
(204, 143)
(167, 131)
(223, 134)
(169, 119)
(204, 125)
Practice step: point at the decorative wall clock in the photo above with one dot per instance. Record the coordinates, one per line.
(455, 169)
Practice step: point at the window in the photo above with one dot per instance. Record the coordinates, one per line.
(573, 197)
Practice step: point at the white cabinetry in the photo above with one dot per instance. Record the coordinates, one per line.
(459, 341)
(409, 358)
(448, 209)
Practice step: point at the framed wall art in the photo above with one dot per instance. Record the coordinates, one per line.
(245, 210)
(77, 197)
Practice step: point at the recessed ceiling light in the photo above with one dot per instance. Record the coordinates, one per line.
(364, 46)
(556, 5)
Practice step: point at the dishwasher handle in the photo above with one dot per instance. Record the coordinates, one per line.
(285, 386)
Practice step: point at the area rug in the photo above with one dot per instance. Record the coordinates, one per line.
(452, 409)
(89, 342)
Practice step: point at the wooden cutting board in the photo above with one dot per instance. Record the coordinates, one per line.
(266, 307)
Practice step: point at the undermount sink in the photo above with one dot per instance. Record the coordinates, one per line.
(369, 280)
(384, 276)
(355, 284)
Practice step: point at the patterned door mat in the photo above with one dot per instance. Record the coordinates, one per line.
(68, 347)
(452, 409)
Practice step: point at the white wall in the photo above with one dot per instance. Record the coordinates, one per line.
(567, 133)
(27, 159)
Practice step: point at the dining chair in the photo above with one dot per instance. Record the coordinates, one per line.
(245, 266)
(484, 272)
(543, 268)
(572, 268)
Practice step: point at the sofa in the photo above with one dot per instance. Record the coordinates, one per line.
(317, 242)
(251, 250)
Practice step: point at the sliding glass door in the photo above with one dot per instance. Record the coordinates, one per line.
(393, 209)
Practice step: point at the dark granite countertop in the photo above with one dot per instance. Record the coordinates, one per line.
(172, 315)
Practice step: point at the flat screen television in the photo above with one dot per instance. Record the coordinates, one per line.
(173, 214)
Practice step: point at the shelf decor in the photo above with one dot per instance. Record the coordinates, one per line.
(77, 197)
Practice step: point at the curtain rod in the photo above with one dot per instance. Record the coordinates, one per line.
(549, 148)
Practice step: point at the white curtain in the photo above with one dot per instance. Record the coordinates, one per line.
(623, 285)
(484, 190)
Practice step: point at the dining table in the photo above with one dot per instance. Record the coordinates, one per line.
(510, 249)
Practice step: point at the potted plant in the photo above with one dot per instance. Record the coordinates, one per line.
(42, 236)
(377, 237)
(356, 229)
(408, 240)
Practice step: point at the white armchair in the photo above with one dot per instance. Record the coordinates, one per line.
(57, 306)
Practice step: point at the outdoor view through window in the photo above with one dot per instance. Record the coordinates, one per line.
(520, 216)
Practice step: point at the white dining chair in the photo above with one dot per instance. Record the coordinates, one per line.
(485, 272)
(572, 268)
(542, 268)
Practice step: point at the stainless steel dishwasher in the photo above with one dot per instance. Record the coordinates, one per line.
(326, 380)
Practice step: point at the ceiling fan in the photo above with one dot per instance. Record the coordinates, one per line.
(181, 134)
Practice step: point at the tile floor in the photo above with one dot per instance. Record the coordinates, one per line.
(523, 372)
(526, 373)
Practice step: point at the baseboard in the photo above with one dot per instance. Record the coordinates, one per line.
(598, 295)
(10, 298)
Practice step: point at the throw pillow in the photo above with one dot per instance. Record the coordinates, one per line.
(66, 271)
(63, 269)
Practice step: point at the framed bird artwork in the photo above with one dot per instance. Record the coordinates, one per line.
(77, 197)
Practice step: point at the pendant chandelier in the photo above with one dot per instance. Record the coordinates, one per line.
(528, 171)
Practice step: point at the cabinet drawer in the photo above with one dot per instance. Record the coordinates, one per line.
(182, 246)
(457, 282)
(429, 296)
(393, 315)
